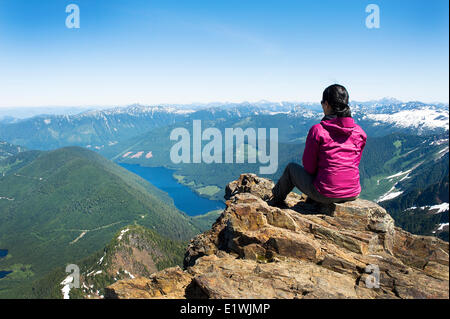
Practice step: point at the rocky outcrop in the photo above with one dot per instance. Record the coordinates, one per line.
(254, 250)
(170, 283)
(135, 252)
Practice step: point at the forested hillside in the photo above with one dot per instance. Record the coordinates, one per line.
(65, 204)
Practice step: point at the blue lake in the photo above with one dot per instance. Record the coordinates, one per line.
(3, 253)
(4, 273)
(184, 198)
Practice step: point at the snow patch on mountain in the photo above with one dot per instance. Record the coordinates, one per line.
(129, 274)
(440, 208)
(435, 209)
(442, 152)
(122, 232)
(439, 142)
(66, 286)
(441, 227)
(422, 118)
(392, 193)
(399, 174)
(101, 259)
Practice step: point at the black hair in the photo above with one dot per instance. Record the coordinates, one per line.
(337, 97)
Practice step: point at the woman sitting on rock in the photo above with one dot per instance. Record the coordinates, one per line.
(333, 150)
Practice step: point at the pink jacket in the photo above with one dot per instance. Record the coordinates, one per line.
(332, 153)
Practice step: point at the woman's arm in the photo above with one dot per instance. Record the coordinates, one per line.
(362, 145)
(311, 152)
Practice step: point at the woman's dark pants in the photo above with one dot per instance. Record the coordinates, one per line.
(295, 175)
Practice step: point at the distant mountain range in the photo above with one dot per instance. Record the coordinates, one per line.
(101, 129)
(66, 202)
(15, 114)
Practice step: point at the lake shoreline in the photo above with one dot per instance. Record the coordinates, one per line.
(184, 198)
(3, 273)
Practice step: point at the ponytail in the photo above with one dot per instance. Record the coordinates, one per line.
(337, 97)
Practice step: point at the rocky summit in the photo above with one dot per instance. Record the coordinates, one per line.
(301, 250)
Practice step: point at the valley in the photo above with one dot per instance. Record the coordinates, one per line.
(68, 204)
(61, 203)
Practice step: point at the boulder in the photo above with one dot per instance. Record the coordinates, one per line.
(345, 250)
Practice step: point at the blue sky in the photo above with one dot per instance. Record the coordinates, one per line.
(150, 52)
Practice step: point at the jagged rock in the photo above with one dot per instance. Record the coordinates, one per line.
(229, 277)
(250, 183)
(169, 283)
(345, 250)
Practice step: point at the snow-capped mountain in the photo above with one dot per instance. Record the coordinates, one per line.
(407, 160)
(100, 128)
(418, 197)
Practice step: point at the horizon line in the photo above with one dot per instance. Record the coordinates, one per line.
(98, 106)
